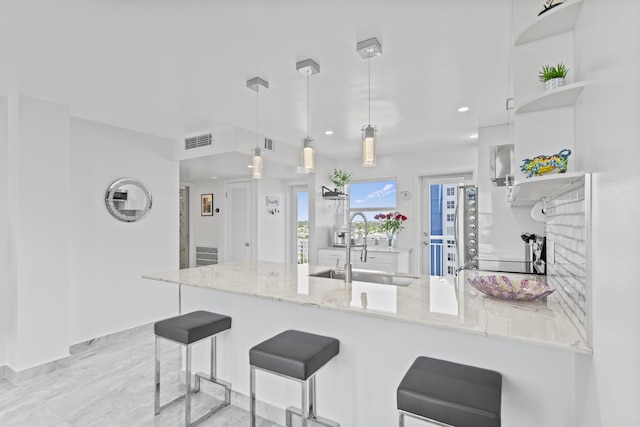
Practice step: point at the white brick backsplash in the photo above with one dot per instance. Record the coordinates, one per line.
(565, 226)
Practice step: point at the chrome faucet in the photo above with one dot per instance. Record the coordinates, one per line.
(347, 265)
(466, 266)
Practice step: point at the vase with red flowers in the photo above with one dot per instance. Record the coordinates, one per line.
(391, 223)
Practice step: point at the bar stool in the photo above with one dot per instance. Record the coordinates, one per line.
(187, 330)
(297, 356)
(450, 394)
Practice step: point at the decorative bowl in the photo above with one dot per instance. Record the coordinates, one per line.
(506, 288)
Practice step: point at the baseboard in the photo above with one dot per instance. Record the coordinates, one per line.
(17, 377)
(46, 368)
(110, 338)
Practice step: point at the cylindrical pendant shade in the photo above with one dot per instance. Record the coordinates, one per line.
(369, 146)
(308, 161)
(257, 164)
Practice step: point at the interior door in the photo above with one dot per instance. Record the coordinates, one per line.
(238, 231)
(439, 198)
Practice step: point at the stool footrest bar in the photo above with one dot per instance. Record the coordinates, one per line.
(317, 420)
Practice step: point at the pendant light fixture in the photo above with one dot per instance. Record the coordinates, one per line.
(307, 68)
(254, 84)
(368, 49)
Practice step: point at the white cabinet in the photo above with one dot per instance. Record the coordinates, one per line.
(336, 257)
(396, 262)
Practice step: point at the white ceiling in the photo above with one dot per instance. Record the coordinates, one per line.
(175, 68)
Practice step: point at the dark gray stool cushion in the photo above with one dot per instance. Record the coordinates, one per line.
(451, 393)
(191, 327)
(294, 353)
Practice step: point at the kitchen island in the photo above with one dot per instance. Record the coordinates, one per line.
(382, 328)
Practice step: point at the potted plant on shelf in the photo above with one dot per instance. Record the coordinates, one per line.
(553, 77)
(340, 178)
(391, 223)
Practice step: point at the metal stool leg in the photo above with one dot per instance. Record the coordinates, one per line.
(312, 398)
(156, 397)
(401, 420)
(187, 399)
(305, 408)
(252, 395)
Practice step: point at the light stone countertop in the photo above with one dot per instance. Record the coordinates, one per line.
(372, 248)
(428, 301)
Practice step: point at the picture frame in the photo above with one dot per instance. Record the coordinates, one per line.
(206, 205)
(272, 201)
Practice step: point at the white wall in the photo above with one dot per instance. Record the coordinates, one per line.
(108, 257)
(38, 207)
(500, 226)
(607, 136)
(4, 232)
(407, 168)
(271, 228)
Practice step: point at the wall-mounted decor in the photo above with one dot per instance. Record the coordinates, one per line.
(273, 201)
(128, 200)
(273, 205)
(206, 207)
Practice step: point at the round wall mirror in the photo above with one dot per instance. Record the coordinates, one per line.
(128, 200)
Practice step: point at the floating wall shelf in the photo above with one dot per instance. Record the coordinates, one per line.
(333, 194)
(556, 98)
(556, 21)
(531, 190)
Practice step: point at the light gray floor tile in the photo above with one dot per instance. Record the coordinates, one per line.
(110, 386)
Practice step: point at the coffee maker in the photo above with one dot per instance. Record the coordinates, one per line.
(536, 252)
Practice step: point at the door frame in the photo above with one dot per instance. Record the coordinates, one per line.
(187, 193)
(467, 176)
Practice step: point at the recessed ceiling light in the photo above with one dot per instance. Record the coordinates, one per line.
(213, 177)
(474, 136)
(463, 109)
(328, 132)
(250, 166)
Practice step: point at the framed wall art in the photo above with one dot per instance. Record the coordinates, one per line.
(206, 208)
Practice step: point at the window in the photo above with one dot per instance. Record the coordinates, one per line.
(451, 191)
(450, 217)
(372, 197)
(451, 204)
(451, 270)
(451, 257)
(449, 231)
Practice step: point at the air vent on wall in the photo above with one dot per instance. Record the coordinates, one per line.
(269, 145)
(198, 141)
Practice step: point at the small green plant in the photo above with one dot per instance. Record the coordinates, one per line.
(549, 72)
(340, 178)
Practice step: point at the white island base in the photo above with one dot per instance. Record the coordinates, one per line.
(358, 387)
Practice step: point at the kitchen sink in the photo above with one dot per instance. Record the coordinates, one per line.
(397, 279)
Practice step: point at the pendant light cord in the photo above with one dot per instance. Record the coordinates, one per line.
(369, 64)
(308, 105)
(257, 116)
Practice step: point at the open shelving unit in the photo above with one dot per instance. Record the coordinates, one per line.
(531, 190)
(556, 21)
(556, 98)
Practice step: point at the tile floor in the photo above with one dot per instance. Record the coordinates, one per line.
(109, 386)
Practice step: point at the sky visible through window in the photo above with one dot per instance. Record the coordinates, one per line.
(380, 195)
(303, 206)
